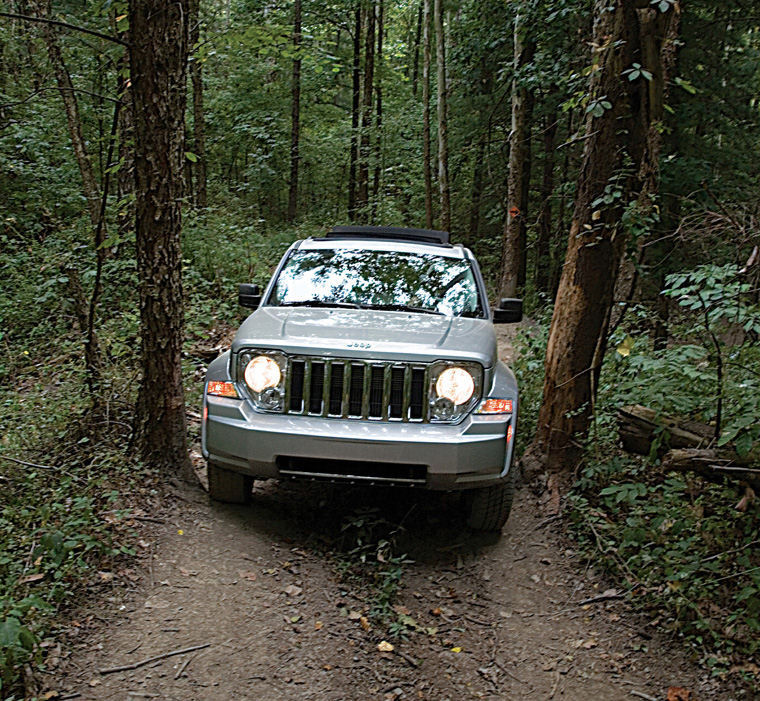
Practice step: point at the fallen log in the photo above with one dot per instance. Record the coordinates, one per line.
(639, 427)
(715, 465)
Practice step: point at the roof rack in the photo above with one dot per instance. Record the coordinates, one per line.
(392, 233)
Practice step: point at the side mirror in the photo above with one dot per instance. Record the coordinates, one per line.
(509, 311)
(249, 295)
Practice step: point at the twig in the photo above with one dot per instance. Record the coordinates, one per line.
(184, 666)
(149, 519)
(408, 658)
(66, 25)
(547, 521)
(601, 597)
(28, 464)
(507, 672)
(148, 660)
(642, 695)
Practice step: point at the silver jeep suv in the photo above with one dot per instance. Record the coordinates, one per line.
(370, 359)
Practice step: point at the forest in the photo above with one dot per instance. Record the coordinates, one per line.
(600, 159)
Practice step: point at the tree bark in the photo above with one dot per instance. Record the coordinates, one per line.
(515, 228)
(199, 121)
(623, 130)
(426, 166)
(443, 134)
(295, 114)
(362, 186)
(158, 59)
(544, 239)
(639, 427)
(355, 109)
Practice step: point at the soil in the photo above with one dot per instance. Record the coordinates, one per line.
(262, 588)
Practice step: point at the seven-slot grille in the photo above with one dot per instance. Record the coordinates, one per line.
(356, 389)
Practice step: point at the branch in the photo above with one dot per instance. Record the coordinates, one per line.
(66, 25)
(141, 663)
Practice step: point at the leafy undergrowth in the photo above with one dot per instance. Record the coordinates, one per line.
(686, 556)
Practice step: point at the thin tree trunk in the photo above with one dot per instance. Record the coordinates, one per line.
(158, 59)
(355, 108)
(71, 107)
(125, 182)
(378, 111)
(530, 101)
(426, 166)
(477, 189)
(515, 227)
(626, 131)
(199, 122)
(416, 60)
(544, 239)
(443, 136)
(295, 114)
(362, 186)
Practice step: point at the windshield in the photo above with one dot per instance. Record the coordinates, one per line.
(371, 279)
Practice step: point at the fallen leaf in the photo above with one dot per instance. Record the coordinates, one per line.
(327, 667)
(385, 646)
(364, 622)
(29, 578)
(250, 576)
(295, 619)
(354, 615)
(536, 578)
(292, 590)
(588, 644)
(456, 649)
(318, 625)
(106, 576)
(94, 682)
(679, 693)
(436, 611)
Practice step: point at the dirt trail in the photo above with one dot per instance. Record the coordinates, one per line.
(498, 618)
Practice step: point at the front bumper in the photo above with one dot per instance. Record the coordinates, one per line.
(474, 453)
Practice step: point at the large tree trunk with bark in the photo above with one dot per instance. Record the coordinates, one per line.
(199, 123)
(515, 228)
(158, 59)
(426, 168)
(443, 132)
(621, 129)
(544, 239)
(295, 114)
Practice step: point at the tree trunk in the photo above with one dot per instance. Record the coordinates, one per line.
(362, 186)
(443, 136)
(515, 228)
(71, 107)
(621, 128)
(158, 59)
(199, 124)
(544, 239)
(355, 108)
(639, 427)
(426, 166)
(416, 61)
(125, 182)
(295, 114)
(477, 189)
(715, 465)
(378, 111)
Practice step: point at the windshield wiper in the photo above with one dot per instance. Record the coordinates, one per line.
(402, 308)
(320, 303)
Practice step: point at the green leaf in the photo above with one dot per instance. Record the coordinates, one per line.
(191, 157)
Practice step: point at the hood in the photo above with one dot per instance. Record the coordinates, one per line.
(368, 334)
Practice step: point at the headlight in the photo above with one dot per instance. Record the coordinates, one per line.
(262, 373)
(264, 376)
(455, 388)
(456, 385)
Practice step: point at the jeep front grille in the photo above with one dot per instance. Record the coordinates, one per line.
(356, 389)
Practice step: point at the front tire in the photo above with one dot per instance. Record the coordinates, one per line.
(489, 507)
(228, 486)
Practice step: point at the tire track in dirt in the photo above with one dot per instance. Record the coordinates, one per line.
(496, 618)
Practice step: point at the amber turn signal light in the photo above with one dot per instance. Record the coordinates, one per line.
(495, 406)
(222, 389)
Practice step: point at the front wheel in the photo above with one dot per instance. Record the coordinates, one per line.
(228, 486)
(488, 507)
